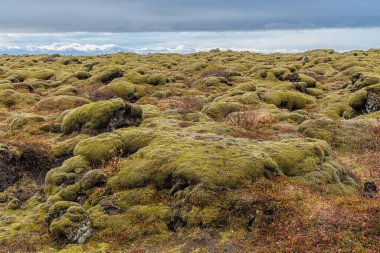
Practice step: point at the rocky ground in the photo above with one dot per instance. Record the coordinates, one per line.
(206, 152)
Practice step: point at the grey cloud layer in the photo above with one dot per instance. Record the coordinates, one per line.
(183, 15)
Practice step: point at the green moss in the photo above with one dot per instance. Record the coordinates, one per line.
(134, 138)
(220, 110)
(66, 90)
(136, 223)
(19, 121)
(318, 93)
(358, 99)
(6, 86)
(310, 82)
(366, 81)
(135, 77)
(168, 158)
(66, 147)
(120, 88)
(92, 178)
(72, 227)
(61, 102)
(65, 174)
(246, 87)
(110, 74)
(289, 100)
(98, 115)
(82, 75)
(43, 74)
(212, 81)
(99, 148)
(157, 79)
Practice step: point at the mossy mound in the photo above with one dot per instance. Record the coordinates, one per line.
(157, 79)
(99, 148)
(122, 89)
(212, 81)
(366, 100)
(109, 74)
(365, 81)
(136, 77)
(110, 114)
(66, 90)
(69, 222)
(61, 102)
(221, 161)
(220, 110)
(289, 100)
(19, 121)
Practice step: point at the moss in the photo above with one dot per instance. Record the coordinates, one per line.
(99, 148)
(43, 74)
(358, 99)
(82, 75)
(6, 86)
(139, 196)
(166, 158)
(220, 110)
(92, 178)
(157, 79)
(246, 87)
(150, 111)
(323, 129)
(66, 147)
(310, 82)
(289, 100)
(72, 227)
(318, 93)
(110, 74)
(135, 77)
(98, 115)
(136, 223)
(66, 174)
(19, 121)
(66, 90)
(9, 97)
(297, 158)
(61, 102)
(366, 81)
(135, 139)
(212, 81)
(120, 88)
(70, 192)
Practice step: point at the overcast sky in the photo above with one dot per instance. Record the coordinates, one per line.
(183, 15)
(184, 26)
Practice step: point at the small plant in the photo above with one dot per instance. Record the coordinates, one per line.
(250, 119)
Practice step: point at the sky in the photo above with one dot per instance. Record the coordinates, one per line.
(185, 26)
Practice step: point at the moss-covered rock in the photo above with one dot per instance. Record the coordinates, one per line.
(358, 99)
(69, 223)
(122, 89)
(289, 100)
(66, 90)
(100, 148)
(110, 74)
(220, 110)
(110, 114)
(365, 81)
(19, 121)
(157, 79)
(61, 102)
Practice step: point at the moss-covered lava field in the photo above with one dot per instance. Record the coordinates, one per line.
(215, 151)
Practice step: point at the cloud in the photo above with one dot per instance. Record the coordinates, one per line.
(284, 41)
(62, 47)
(183, 15)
